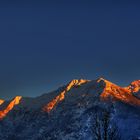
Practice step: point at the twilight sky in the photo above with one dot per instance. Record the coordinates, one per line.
(45, 44)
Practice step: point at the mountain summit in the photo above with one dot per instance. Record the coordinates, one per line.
(110, 92)
(67, 111)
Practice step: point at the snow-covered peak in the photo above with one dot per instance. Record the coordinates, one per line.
(60, 97)
(76, 82)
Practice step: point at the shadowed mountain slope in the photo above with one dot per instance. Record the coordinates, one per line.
(47, 102)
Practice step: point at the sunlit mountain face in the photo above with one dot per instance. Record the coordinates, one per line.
(79, 110)
(1, 101)
(9, 106)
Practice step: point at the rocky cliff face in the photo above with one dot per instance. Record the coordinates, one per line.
(67, 113)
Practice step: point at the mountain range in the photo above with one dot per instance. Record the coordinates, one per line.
(72, 111)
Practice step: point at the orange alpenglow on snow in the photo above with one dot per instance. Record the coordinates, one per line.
(61, 96)
(110, 92)
(1, 102)
(114, 92)
(10, 106)
(134, 86)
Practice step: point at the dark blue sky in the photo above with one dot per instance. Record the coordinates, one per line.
(44, 44)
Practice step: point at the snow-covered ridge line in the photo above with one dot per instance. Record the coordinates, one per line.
(61, 96)
(109, 91)
(10, 106)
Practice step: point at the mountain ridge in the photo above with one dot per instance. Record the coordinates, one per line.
(10, 106)
(69, 113)
(110, 91)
